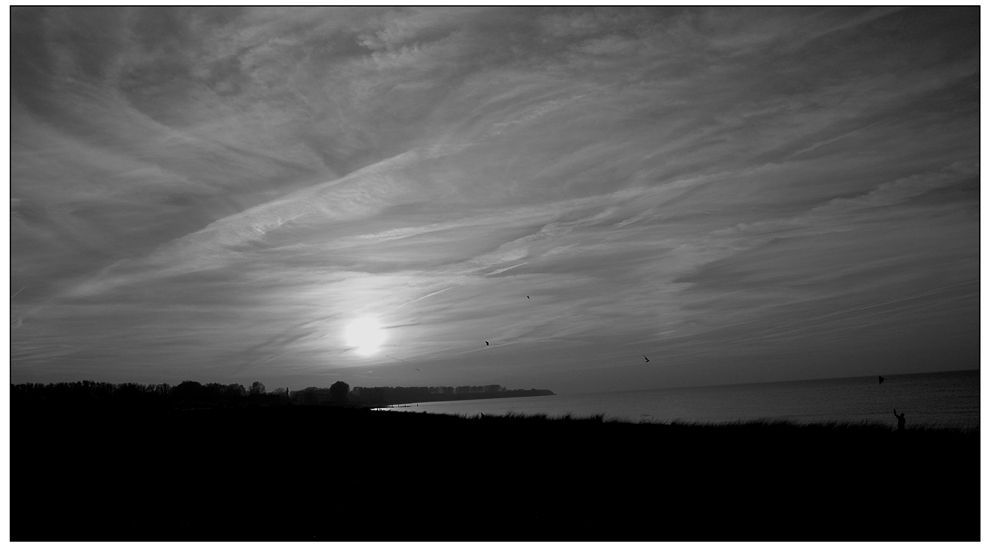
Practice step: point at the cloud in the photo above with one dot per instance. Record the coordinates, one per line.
(836, 213)
(217, 192)
(358, 195)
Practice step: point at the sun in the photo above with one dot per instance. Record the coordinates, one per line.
(364, 335)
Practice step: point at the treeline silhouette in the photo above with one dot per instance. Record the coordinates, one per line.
(95, 395)
(191, 394)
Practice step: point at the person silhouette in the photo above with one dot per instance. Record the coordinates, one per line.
(900, 420)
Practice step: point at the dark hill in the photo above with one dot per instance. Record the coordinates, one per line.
(338, 474)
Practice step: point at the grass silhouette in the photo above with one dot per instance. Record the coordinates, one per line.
(296, 473)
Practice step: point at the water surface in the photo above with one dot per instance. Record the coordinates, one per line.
(946, 399)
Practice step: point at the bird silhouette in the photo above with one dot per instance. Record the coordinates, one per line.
(486, 342)
(881, 379)
(647, 358)
(526, 297)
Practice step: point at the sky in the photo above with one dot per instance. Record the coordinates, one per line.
(736, 194)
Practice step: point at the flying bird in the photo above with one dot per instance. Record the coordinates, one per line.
(881, 379)
(486, 342)
(527, 298)
(647, 358)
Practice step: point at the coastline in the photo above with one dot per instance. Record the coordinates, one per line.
(936, 400)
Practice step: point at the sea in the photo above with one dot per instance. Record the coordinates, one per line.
(940, 399)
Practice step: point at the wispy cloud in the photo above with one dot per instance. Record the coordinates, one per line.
(215, 193)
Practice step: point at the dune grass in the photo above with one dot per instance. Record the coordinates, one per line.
(752, 425)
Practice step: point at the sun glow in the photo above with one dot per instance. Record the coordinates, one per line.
(365, 336)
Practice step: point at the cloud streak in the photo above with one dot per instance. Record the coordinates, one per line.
(215, 193)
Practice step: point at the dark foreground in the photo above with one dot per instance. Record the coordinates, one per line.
(333, 474)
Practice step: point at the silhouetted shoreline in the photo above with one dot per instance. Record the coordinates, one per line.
(191, 394)
(326, 473)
